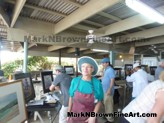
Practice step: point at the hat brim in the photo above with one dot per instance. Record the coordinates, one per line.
(136, 66)
(89, 60)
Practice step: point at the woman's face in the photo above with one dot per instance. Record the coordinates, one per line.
(86, 69)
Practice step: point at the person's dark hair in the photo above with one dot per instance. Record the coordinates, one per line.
(139, 67)
(110, 64)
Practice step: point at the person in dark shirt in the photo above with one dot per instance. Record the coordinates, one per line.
(62, 83)
(159, 69)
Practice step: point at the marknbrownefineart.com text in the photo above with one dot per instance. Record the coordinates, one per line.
(115, 114)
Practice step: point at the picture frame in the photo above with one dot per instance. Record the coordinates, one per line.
(128, 67)
(47, 79)
(152, 70)
(12, 104)
(117, 73)
(69, 70)
(27, 84)
(144, 67)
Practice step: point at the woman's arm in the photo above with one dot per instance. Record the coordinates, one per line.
(69, 107)
(70, 104)
(158, 108)
(130, 78)
(111, 85)
(97, 107)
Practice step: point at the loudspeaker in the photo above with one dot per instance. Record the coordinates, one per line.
(22, 44)
(162, 55)
(77, 52)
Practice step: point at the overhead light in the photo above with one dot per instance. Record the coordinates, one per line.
(144, 9)
(98, 50)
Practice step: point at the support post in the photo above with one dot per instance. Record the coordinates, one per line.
(112, 58)
(25, 60)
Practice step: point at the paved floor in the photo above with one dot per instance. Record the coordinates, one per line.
(46, 119)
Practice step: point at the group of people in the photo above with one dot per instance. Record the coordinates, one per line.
(146, 98)
(86, 93)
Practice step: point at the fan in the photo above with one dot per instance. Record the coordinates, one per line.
(154, 48)
(91, 38)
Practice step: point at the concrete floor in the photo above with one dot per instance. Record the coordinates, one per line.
(45, 118)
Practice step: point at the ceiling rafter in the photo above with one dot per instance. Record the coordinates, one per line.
(40, 9)
(126, 24)
(93, 23)
(80, 14)
(3, 26)
(141, 28)
(17, 9)
(109, 16)
(20, 49)
(152, 41)
(87, 52)
(141, 35)
(72, 50)
(4, 17)
(82, 27)
(73, 3)
(54, 47)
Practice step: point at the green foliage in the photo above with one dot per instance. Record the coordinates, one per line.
(38, 62)
(34, 63)
(9, 68)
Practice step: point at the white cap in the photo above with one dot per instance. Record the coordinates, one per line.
(136, 65)
(59, 67)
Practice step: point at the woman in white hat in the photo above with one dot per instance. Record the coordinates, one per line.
(83, 91)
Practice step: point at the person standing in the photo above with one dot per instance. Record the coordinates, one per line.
(108, 87)
(62, 83)
(139, 79)
(149, 101)
(159, 69)
(84, 91)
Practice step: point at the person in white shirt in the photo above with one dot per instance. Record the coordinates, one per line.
(149, 101)
(139, 79)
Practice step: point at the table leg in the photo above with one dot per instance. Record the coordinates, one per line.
(36, 114)
(50, 116)
(124, 96)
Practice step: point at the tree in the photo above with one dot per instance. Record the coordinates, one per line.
(34, 63)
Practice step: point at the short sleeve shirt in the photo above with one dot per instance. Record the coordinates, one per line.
(108, 75)
(64, 81)
(86, 87)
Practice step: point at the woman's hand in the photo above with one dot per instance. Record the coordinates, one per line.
(108, 93)
(68, 119)
(91, 120)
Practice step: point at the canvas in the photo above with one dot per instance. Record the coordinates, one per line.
(12, 105)
(47, 79)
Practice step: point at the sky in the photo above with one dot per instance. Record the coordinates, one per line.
(7, 56)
